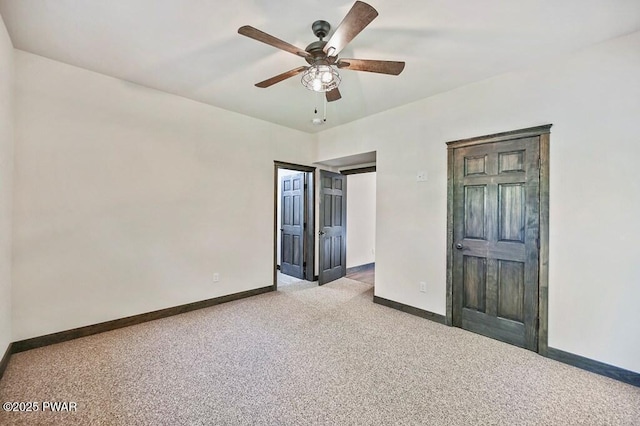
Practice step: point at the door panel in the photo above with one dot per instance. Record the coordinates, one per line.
(292, 225)
(475, 283)
(475, 165)
(495, 233)
(511, 212)
(511, 161)
(333, 259)
(475, 199)
(511, 290)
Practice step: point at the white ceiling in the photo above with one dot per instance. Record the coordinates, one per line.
(191, 48)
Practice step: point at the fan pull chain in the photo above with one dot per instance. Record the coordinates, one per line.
(324, 118)
(317, 120)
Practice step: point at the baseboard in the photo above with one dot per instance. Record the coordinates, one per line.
(595, 366)
(409, 309)
(578, 361)
(5, 359)
(63, 336)
(361, 268)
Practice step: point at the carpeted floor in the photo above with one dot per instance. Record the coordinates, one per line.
(307, 355)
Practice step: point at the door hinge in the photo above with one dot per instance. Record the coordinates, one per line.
(538, 243)
(539, 163)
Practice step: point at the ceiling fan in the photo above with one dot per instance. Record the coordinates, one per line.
(322, 56)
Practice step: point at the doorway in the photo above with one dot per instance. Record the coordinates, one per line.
(294, 222)
(361, 223)
(347, 225)
(497, 232)
(331, 205)
(336, 257)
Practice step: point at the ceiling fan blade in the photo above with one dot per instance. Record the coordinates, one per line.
(333, 95)
(360, 15)
(382, 67)
(256, 34)
(278, 78)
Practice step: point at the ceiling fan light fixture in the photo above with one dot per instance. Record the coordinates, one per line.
(322, 56)
(321, 77)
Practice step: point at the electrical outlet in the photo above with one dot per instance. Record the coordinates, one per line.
(216, 277)
(423, 287)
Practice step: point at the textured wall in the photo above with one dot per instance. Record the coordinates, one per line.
(129, 199)
(592, 98)
(6, 184)
(361, 219)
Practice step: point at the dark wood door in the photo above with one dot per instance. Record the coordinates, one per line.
(292, 225)
(333, 227)
(495, 236)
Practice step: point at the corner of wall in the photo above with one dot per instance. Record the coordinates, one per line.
(6, 184)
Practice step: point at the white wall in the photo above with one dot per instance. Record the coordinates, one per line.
(6, 184)
(361, 219)
(125, 200)
(129, 199)
(592, 98)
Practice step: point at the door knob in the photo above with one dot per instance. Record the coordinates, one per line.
(321, 233)
(459, 246)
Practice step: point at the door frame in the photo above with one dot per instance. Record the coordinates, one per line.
(543, 132)
(309, 218)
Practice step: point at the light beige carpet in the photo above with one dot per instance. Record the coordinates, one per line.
(307, 355)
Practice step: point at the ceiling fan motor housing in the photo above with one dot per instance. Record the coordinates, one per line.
(317, 53)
